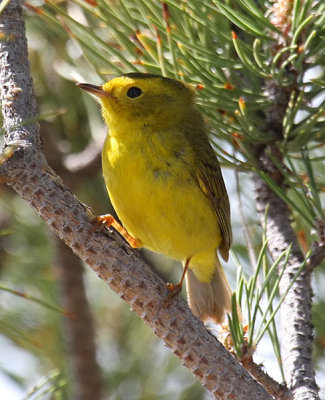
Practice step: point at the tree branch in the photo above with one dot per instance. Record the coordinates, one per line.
(26, 170)
(297, 338)
(278, 391)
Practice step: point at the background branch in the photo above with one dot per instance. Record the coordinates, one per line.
(297, 338)
(78, 326)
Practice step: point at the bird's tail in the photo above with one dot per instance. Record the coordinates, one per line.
(209, 301)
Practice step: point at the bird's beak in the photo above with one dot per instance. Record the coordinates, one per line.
(93, 89)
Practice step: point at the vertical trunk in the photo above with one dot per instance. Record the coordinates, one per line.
(297, 337)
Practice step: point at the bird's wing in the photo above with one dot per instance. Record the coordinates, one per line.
(207, 174)
(210, 180)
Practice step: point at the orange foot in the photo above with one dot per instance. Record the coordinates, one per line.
(173, 290)
(178, 287)
(108, 220)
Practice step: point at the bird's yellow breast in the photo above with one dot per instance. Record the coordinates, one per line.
(155, 195)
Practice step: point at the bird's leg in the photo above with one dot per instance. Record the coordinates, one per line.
(108, 220)
(174, 289)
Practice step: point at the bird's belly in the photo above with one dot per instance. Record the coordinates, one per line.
(167, 213)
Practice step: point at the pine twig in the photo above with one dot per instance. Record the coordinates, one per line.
(278, 391)
(318, 255)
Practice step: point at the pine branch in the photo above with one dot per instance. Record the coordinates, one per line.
(25, 169)
(297, 338)
(280, 392)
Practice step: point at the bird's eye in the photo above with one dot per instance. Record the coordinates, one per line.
(134, 92)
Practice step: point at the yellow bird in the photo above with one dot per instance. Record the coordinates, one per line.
(165, 182)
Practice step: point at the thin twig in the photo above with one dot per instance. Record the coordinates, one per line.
(277, 390)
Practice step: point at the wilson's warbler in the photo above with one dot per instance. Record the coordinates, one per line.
(165, 182)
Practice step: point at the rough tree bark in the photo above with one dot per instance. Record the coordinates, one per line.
(297, 337)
